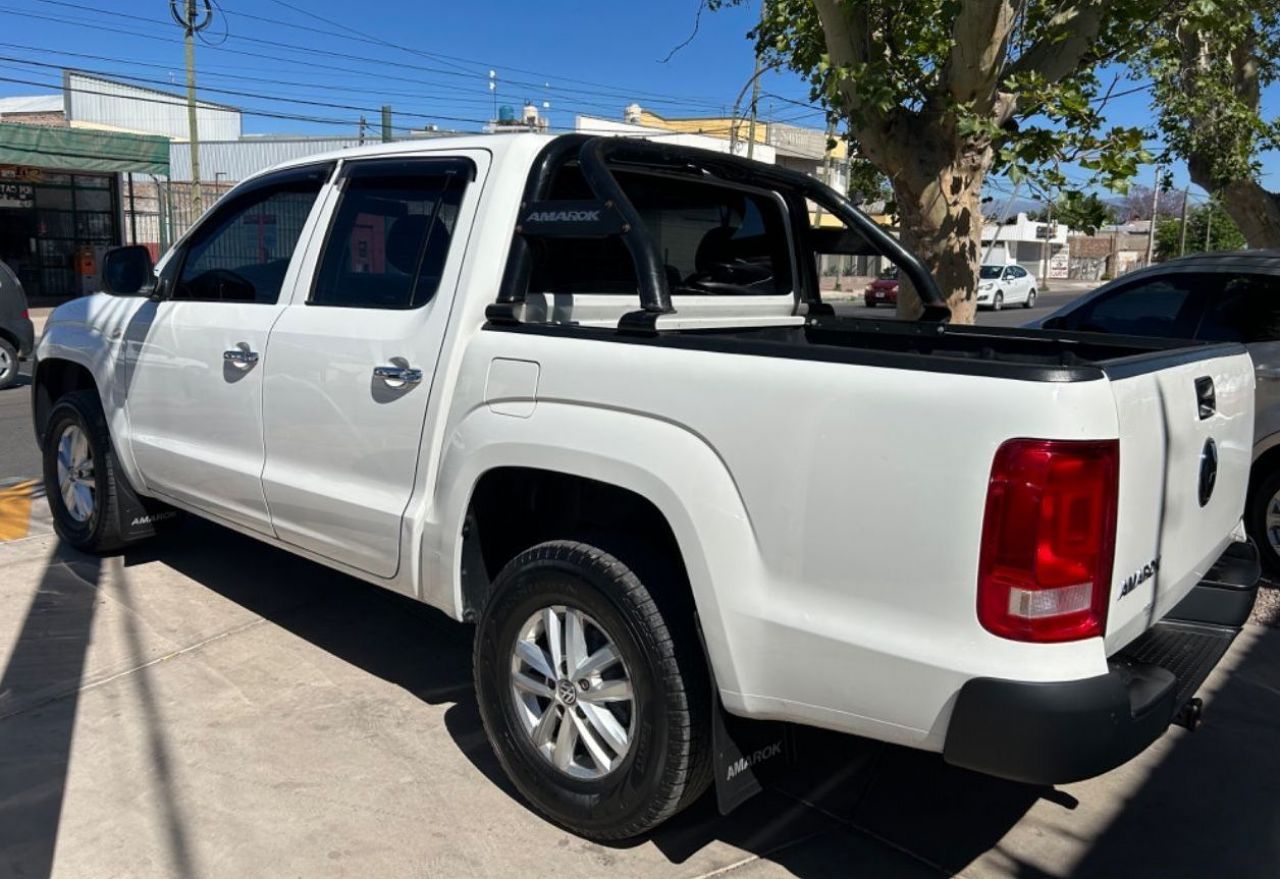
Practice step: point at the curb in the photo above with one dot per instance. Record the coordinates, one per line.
(21, 512)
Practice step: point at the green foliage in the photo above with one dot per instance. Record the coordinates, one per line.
(1210, 62)
(1222, 230)
(867, 182)
(1040, 105)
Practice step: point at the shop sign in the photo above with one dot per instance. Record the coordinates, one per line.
(16, 195)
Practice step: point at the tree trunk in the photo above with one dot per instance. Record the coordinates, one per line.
(940, 209)
(1255, 210)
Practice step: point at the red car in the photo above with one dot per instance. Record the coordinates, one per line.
(884, 289)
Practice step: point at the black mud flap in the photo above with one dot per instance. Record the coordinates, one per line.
(142, 517)
(749, 754)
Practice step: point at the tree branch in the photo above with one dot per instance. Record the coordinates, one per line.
(1067, 41)
(979, 43)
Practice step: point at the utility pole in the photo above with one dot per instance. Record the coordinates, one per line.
(192, 23)
(1182, 233)
(1155, 213)
(364, 125)
(755, 92)
(386, 123)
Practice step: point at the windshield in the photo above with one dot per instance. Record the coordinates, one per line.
(890, 274)
(990, 272)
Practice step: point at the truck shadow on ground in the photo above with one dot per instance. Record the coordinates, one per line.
(1209, 808)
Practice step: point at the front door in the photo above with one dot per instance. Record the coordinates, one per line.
(193, 364)
(352, 362)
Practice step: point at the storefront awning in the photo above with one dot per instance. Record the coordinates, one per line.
(73, 149)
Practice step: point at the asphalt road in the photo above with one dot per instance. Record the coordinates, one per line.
(1047, 302)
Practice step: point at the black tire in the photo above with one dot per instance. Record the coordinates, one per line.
(667, 764)
(997, 302)
(1031, 299)
(1256, 520)
(101, 532)
(9, 366)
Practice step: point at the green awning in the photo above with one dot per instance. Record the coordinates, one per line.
(74, 149)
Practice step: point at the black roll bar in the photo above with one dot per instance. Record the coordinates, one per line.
(594, 153)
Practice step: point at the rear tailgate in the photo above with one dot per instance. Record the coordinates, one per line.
(1186, 436)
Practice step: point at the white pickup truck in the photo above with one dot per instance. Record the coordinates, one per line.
(585, 393)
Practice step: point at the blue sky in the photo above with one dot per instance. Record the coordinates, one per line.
(580, 57)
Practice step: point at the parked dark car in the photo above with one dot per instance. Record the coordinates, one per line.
(17, 335)
(1212, 297)
(883, 290)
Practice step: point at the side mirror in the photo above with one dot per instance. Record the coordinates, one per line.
(127, 271)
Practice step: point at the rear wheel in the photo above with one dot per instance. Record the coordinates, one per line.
(8, 364)
(1263, 521)
(594, 704)
(1031, 299)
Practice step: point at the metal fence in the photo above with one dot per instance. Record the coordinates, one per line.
(158, 212)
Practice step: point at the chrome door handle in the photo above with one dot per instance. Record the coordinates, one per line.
(240, 358)
(398, 376)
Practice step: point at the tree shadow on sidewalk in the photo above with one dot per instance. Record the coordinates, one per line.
(42, 680)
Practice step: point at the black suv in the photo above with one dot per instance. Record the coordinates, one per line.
(17, 335)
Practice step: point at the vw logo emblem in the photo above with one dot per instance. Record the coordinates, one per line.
(1208, 470)
(566, 692)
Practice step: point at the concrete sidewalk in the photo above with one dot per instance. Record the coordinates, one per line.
(207, 706)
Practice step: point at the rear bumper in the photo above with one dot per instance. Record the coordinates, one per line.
(1056, 732)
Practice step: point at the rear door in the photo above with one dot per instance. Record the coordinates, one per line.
(1186, 440)
(353, 358)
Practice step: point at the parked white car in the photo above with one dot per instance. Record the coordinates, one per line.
(1001, 285)
(584, 393)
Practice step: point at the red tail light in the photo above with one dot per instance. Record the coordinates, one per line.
(1048, 539)
(25, 315)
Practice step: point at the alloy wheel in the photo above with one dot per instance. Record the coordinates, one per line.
(76, 480)
(573, 692)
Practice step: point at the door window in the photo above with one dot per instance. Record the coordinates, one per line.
(242, 251)
(391, 233)
(1247, 310)
(1162, 306)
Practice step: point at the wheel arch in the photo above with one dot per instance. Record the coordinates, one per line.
(666, 479)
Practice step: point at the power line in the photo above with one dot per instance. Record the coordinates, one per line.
(615, 92)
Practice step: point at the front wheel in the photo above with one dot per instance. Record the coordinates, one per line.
(81, 474)
(997, 303)
(1263, 521)
(1031, 299)
(594, 704)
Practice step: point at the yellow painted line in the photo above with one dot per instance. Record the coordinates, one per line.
(15, 510)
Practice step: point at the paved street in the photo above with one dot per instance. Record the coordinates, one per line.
(1047, 302)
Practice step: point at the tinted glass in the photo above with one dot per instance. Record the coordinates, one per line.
(1247, 310)
(989, 272)
(1160, 306)
(241, 253)
(714, 240)
(391, 235)
(1017, 272)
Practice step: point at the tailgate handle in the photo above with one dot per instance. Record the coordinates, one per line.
(1206, 399)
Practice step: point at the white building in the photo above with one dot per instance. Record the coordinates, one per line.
(1040, 248)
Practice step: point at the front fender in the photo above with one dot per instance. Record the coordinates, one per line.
(676, 470)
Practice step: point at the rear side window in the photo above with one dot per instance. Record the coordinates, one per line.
(713, 240)
(1161, 306)
(242, 251)
(1247, 310)
(391, 233)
